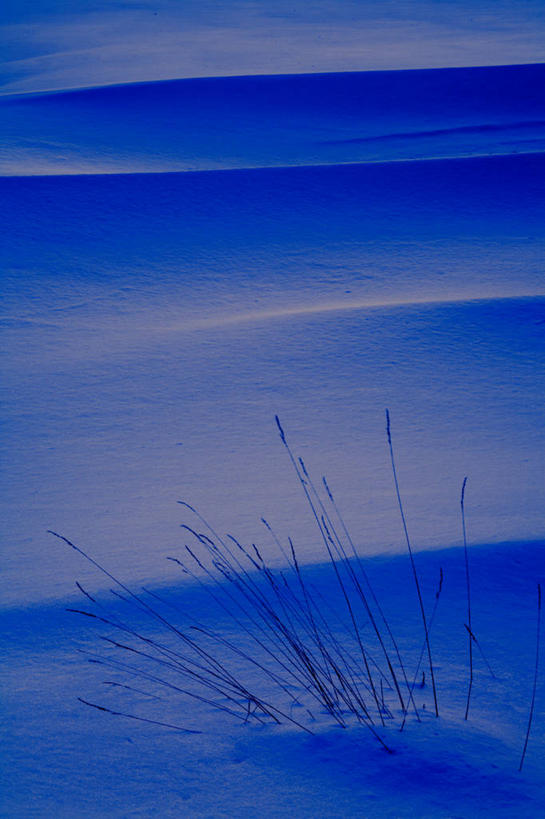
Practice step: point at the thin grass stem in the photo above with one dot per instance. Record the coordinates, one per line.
(468, 590)
(530, 718)
(413, 565)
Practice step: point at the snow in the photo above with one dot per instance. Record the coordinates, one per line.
(88, 764)
(52, 45)
(158, 322)
(316, 119)
(184, 259)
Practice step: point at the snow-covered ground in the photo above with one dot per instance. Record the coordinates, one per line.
(68, 759)
(252, 122)
(49, 44)
(157, 322)
(181, 260)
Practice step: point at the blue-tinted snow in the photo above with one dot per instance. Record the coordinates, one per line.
(156, 324)
(69, 760)
(288, 120)
(55, 45)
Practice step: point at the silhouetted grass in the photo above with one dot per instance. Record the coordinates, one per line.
(296, 654)
(536, 668)
(413, 565)
(468, 589)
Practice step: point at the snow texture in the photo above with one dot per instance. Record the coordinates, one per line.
(186, 255)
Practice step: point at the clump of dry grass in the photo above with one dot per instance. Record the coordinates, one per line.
(287, 654)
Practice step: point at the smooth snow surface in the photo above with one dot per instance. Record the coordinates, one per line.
(157, 322)
(183, 260)
(240, 122)
(67, 759)
(52, 44)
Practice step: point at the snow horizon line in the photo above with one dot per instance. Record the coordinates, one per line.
(76, 89)
(80, 174)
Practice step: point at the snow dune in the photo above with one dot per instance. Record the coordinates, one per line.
(91, 764)
(55, 45)
(213, 300)
(180, 262)
(243, 122)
